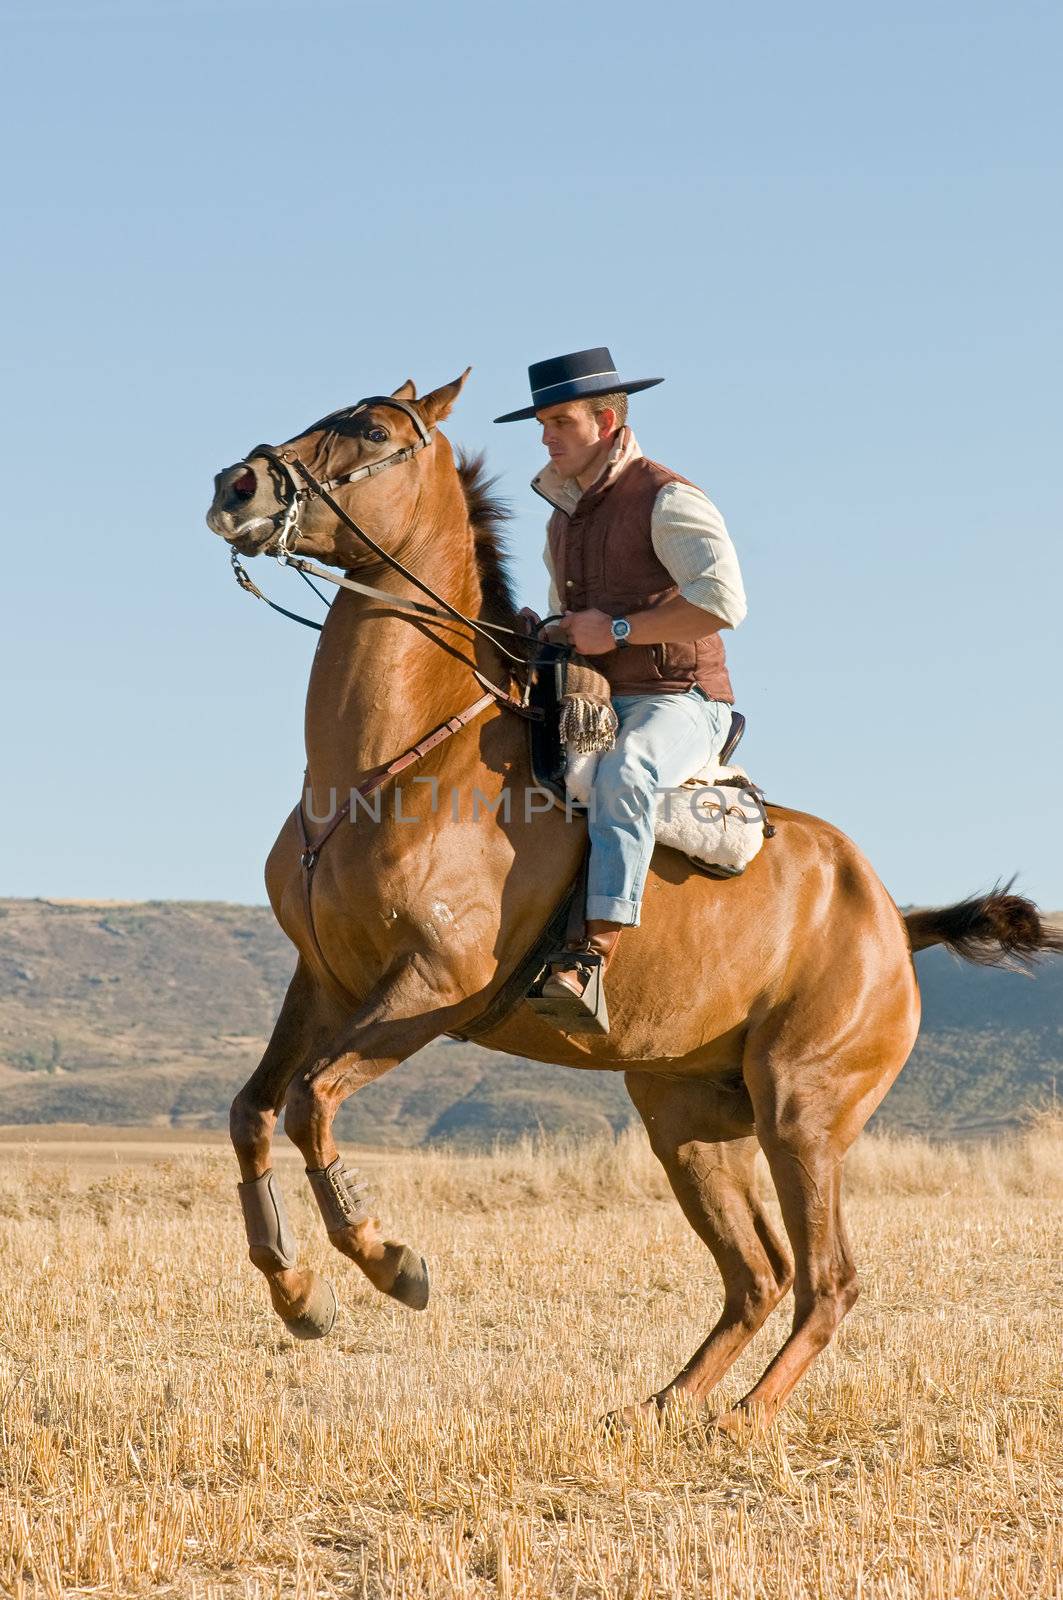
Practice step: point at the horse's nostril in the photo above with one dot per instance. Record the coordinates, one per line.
(244, 485)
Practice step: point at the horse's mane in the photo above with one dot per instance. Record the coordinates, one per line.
(488, 515)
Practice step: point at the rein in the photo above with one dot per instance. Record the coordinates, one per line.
(288, 464)
(397, 602)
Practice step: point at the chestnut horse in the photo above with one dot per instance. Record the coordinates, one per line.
(770, 1012)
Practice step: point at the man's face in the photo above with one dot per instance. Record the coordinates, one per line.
(574, 436)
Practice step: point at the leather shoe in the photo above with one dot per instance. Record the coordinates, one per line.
(571, 978)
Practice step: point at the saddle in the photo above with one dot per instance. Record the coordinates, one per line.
(553, 771)
(549, 755)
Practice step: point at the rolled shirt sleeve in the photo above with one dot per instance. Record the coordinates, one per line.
(691, 540)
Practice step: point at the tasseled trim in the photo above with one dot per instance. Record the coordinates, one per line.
(587, 725)
(588, 722)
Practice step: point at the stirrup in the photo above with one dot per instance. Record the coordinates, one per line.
(585, 1013)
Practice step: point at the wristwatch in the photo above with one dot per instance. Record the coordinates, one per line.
(621, 630)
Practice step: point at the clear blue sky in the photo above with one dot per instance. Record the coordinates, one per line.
(836, 229)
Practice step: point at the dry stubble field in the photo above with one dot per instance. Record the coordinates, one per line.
(160, 1432)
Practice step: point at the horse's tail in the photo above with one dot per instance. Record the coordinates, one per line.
(994, 930)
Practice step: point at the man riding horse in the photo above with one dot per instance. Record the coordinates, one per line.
(768, 1014)
(644, 579)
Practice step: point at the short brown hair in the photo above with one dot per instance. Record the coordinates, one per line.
(609, 402)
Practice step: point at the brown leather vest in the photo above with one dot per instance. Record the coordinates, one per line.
(604, 559)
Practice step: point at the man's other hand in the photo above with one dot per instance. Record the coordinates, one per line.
(528, 621)
(589, 632)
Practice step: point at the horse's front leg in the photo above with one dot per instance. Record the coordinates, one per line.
(403, 1014)
(301, 1298)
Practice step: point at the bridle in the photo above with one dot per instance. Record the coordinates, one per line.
(285, 460)
(291, 469)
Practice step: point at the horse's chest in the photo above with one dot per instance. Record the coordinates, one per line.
(366, 896)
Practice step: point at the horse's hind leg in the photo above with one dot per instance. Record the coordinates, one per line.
(302, 1299)
(809, 1107)
(701, 1133)
(807, 1177)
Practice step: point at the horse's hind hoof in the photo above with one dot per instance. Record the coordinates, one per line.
(740, 1424)
(318, 1317)
(661, 1410)
(626, 1419)
(410, 1284)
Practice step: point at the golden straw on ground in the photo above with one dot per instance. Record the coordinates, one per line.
(160, 1433)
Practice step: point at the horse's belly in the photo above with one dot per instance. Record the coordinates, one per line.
(526, 1034)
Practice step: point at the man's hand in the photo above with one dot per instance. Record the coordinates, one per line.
(589, 632)
(676, 621)
(528, 621)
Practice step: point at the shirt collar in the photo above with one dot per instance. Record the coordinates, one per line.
(566, 494)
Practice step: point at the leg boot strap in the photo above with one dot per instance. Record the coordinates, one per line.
(270, 1240)
(342, 1196)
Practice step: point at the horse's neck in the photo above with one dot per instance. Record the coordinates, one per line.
(380, 681)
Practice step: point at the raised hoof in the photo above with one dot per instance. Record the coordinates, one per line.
(319, 1316)
(410, 1284)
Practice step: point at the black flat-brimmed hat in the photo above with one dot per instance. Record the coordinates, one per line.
(578, 376)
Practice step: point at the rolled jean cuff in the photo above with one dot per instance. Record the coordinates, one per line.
(601, 908)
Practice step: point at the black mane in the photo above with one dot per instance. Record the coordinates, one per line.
(488, 515)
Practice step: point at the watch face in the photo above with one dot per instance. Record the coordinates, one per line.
(621, 628)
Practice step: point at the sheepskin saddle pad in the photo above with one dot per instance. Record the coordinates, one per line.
(716, 817)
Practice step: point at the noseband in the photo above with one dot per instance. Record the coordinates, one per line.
(288, 464)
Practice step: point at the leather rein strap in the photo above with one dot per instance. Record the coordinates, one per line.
(445, 610)
(288, 464)
(396, 602)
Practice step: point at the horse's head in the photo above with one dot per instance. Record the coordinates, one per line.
(266, 503)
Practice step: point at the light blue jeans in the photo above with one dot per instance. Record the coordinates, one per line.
(662, 740)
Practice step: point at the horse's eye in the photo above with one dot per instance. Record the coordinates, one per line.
(378, 435)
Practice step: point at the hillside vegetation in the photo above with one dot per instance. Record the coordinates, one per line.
(157, 1012)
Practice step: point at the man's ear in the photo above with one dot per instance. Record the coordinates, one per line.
(440, 403)
(607, 422)
(405, 391)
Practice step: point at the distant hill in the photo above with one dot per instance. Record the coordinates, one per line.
(157, 1012)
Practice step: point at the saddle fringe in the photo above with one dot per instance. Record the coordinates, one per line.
(587, 721)
(586, 725)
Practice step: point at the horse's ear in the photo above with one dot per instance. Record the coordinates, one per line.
(440, 403)
(405, 391)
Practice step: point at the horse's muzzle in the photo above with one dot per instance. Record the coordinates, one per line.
(249, 537)
(233, 513)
